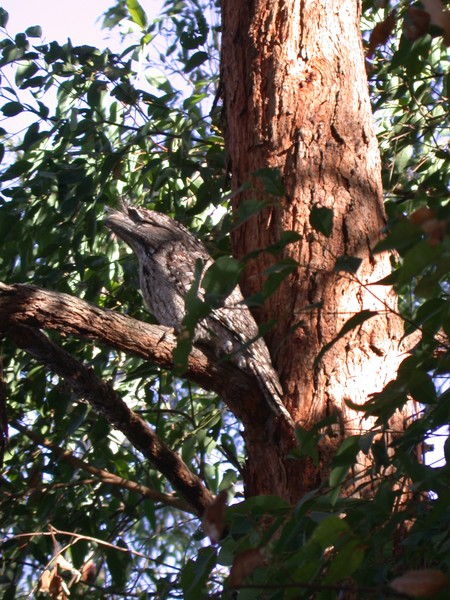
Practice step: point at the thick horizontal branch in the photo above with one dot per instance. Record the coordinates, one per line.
(101, 475)
(105, 400)
(35, 307)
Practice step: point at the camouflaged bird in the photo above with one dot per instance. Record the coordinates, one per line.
(168, 254)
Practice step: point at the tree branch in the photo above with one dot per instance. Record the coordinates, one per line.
(105, 400)
(102, 475)
(24, 304)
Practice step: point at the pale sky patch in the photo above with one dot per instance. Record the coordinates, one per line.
(61, 19)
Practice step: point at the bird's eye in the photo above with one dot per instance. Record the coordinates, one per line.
(135, 214)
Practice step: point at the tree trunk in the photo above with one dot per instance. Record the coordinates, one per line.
(296, 99)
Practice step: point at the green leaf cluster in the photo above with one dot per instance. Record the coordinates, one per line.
(83, 128)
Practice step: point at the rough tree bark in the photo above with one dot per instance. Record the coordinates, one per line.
(296, 99)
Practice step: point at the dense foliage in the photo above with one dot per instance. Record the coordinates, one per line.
(83, 128)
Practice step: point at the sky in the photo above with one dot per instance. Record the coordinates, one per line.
(80, 19)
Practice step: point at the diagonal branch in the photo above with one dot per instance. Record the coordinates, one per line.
(102, 475)
(24, 304)
(105, 400)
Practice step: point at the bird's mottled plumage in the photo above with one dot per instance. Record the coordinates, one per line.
(167, 253)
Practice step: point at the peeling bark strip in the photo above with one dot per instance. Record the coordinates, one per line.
(296, 100)
(105, 400)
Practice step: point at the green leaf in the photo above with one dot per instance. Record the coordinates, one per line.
(228, 480)
(401, 237)
(126, 93)
(32, 135)
(11, 53)
(347, 560)
(272, 181)
(422, 388)
(247, 209)
(25, 71)
(196, 60)
(417, 381)
(137, 13)
(342, 461)
(447, 449)
(383, 404)
(21, 41)
(4, 16)
(195, 32)
(276, 274)
(119, 564)
(286, 238)
(34, 31)
(348, 264)
(380, 454)
(44, 111)
(15, 170)
(195, 573)
(10, 109)
(347, 451)
(196, 310)
(365, 441)
(321, 218)
(429, 316)
(220, 279)
(308, 444)
(421, 256)
(329, 531)
(95, 93)
(308, 439)
(403, 158)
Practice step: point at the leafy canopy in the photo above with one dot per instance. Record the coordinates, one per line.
(83, 127)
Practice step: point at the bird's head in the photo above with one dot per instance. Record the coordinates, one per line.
(142, 229)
